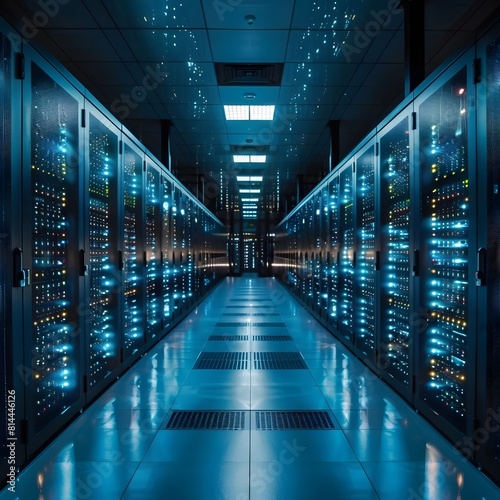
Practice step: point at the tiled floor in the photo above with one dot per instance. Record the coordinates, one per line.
(378, 449)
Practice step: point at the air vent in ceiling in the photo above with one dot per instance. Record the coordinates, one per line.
(242, 149)
(249, 74)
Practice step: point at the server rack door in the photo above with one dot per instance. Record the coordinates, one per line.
(347, 259)
(177, 232)
(51, 241)
(334, 248)
(364, 295)
(132, 260)
(316, 251)
(166, 248)
(103, 340)
(325, 258)
(395, 344)
(11, 387)
(445, 342)
(153, 253)
(487, 256)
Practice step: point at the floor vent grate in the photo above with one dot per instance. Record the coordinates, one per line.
(222, 361)
(250, 298)
(278, 420)
(278, 361)
(235, 338)
(266, 324)
(231, 324)
(272, 338)
(250, 314)
(207, 420)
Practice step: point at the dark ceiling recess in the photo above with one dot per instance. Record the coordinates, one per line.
(248, 149)
(249, 74)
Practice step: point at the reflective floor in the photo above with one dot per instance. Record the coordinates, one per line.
(250, 398)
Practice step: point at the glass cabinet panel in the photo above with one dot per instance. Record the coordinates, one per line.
(133, 265)
(444, 249)
(55, 348)
(104, 280)
(364, 324)
(395, 252)
(346, 258)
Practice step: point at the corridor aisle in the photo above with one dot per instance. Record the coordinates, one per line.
(250, 398)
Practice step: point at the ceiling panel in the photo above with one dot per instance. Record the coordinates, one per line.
(248, 46)
(182, 94)
(306, 74)
(203, 139)
(178, 73)
(289, 113)
(96, 48)
(323, 46)
(109, 73)
(231, 14)
(200, 127)
(181, 45)
(59, 13)
(195, 111)
(154, 14)
(236, 94)
(309, 95)
(345, 14)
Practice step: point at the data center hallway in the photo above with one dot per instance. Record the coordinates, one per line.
(250, 398)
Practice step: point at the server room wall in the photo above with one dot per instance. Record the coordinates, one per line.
(102, 250)
(396, 251)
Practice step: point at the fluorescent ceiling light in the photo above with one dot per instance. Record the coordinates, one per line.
(250, 191)
(236, 112)
(261, 112)
(251, 178)
(249, 159)
(258, 159)
(245, 112)
(249, 200)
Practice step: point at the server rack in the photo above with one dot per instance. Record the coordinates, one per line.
(394, 355)
(347, 253)
(446, 347)
(52, 238)
(86, 236)
(412, 250)
(154, 299)
(99, 258)
(365, 261)
(486, 436)
(131, 256)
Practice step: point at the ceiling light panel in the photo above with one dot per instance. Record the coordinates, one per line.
(249, 191)
(258, 159)
(251, 178)
(236, 112)
(262, 112)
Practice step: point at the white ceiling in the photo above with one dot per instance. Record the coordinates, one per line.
(337, 66)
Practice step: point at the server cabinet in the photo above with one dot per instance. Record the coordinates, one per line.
(100, 259)
(486, 437)
(12, 369)
(445, 343)
(51, 241)
(324, 255)
(394, 347)
(347, 255)
(132, 259)
(166, 252)
(153, 253)
(333, 258)
(365, 256)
